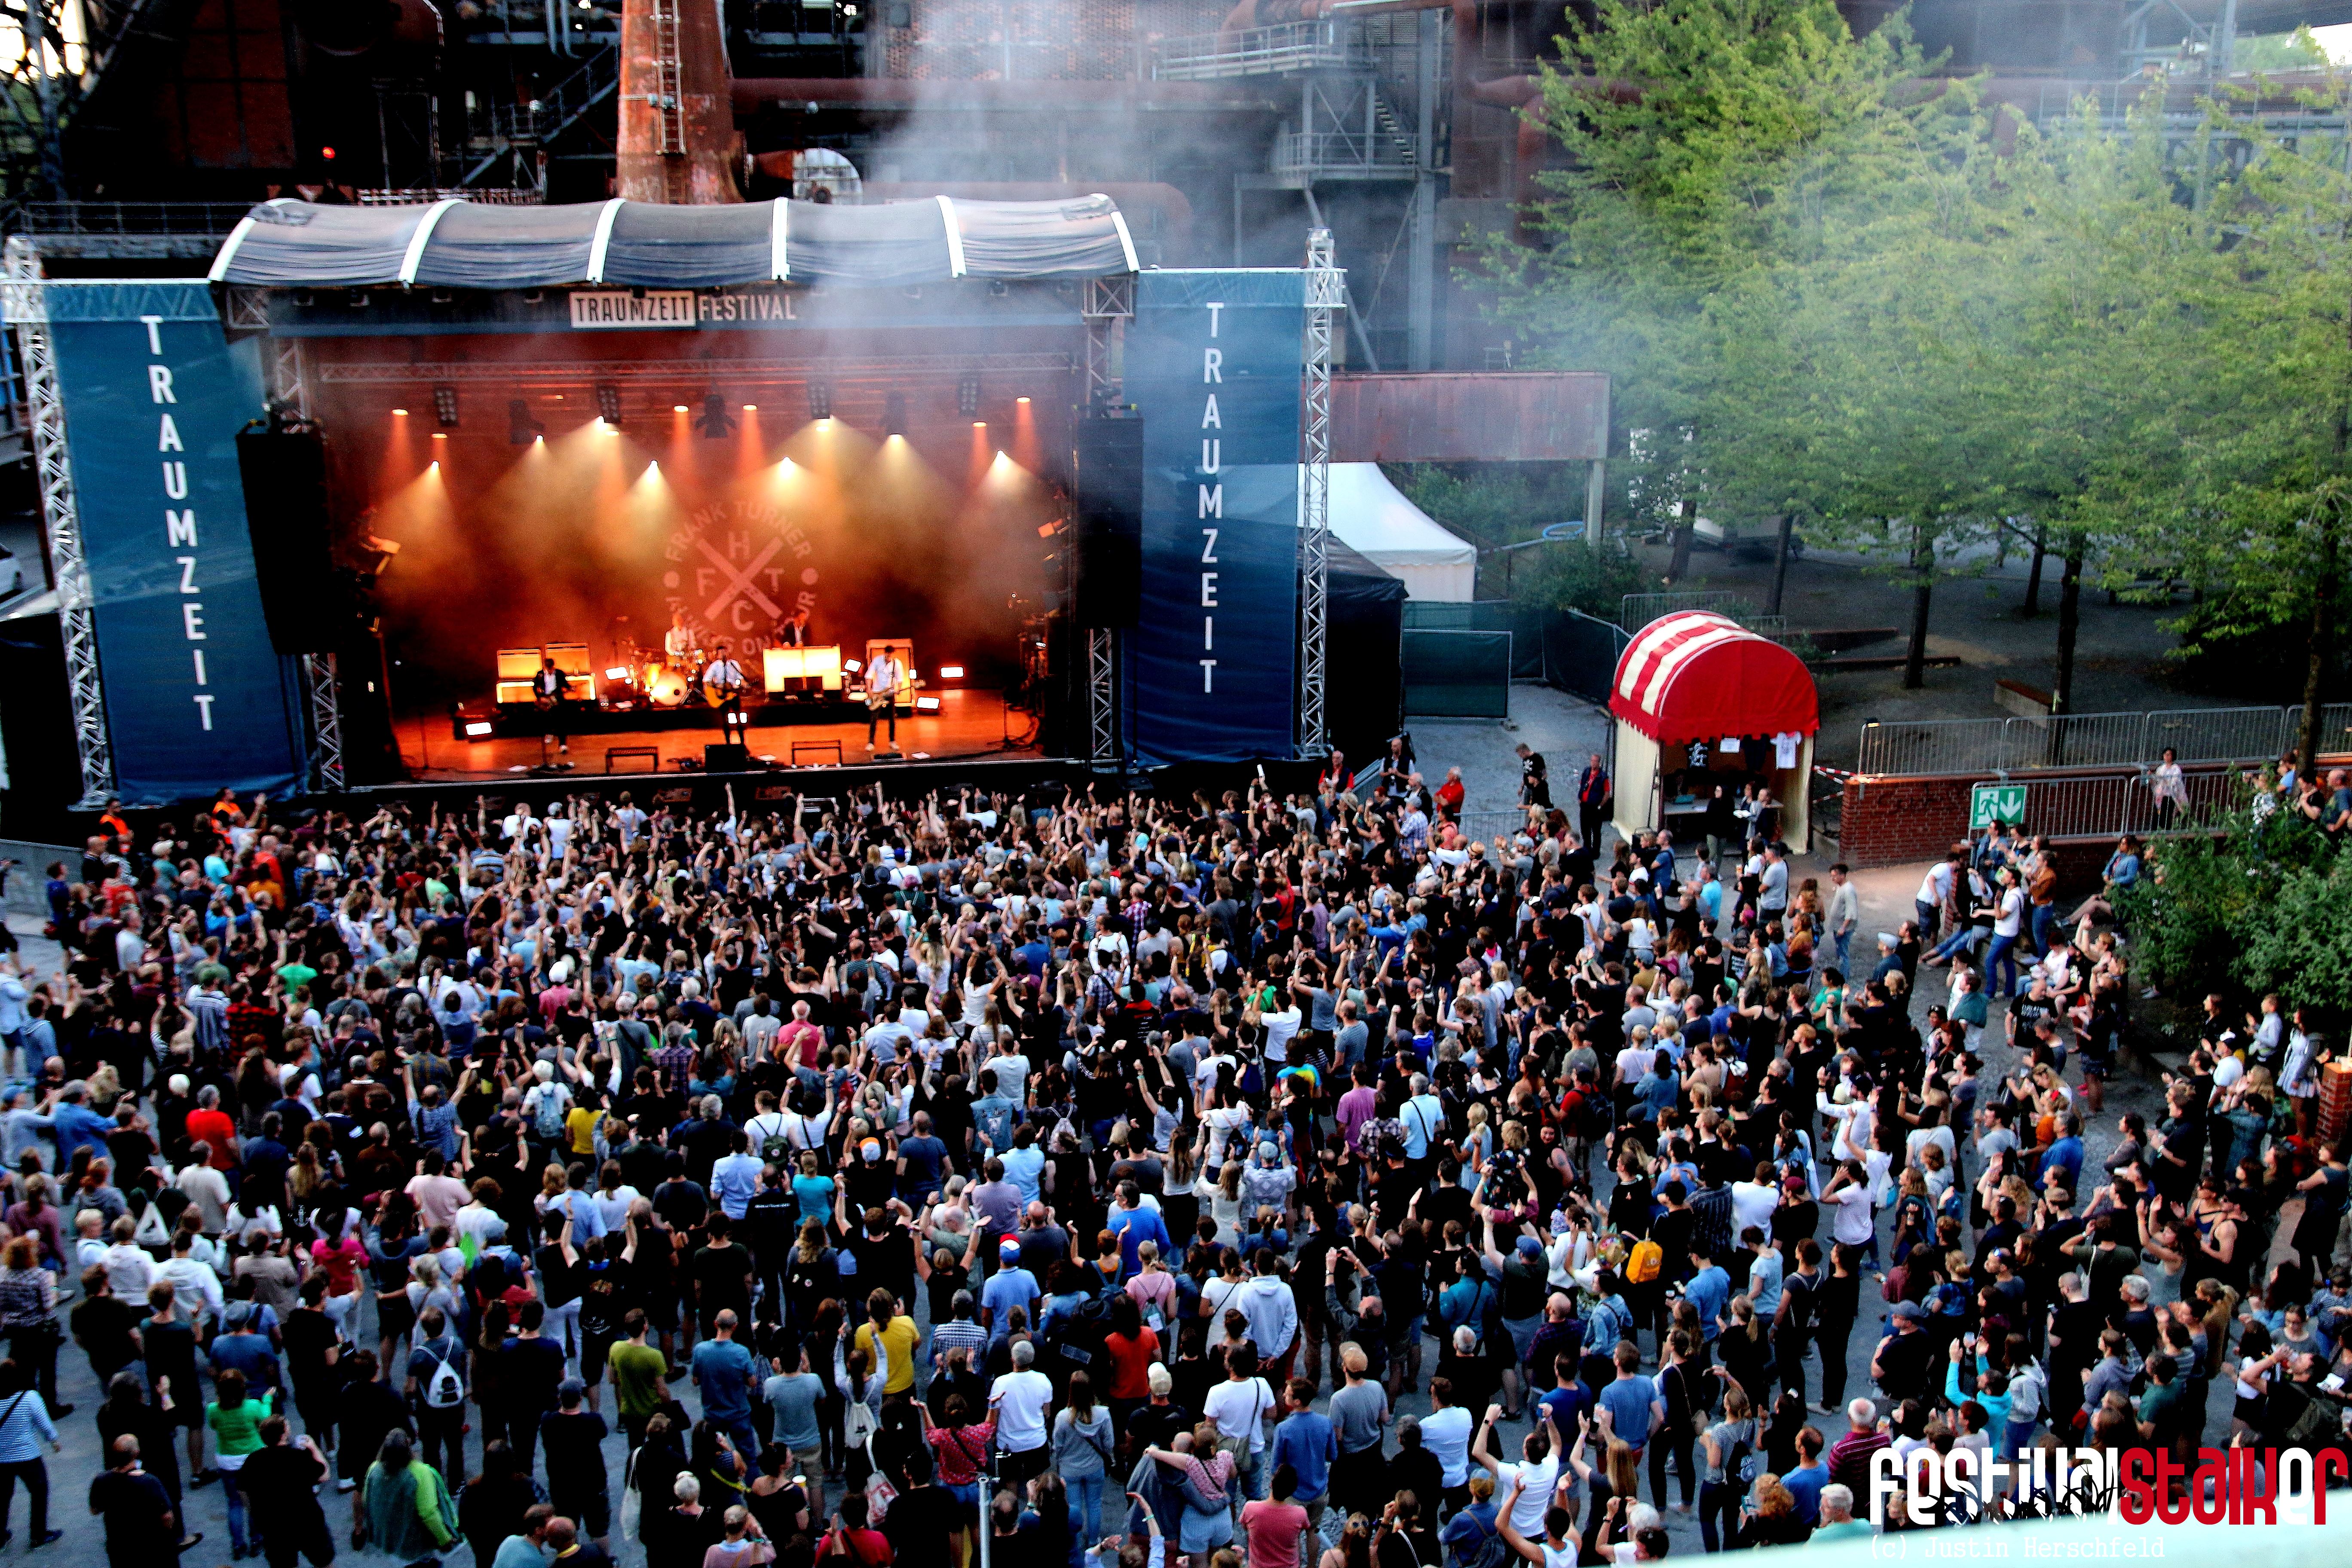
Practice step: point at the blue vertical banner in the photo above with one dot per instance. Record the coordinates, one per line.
(154, 394)
(1214, 361)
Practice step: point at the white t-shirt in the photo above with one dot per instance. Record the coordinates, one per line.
(1022, 1399)
(1528, 1512)
(1752, 1202)
(1852, 1221)
(1240, 1407)
(1446, 1432)
(2007, 922)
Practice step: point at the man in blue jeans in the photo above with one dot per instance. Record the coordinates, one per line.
(2008, 925)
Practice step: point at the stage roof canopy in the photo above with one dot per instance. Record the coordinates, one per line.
(464, 244)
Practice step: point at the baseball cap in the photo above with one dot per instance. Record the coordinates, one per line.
(1530, 1247)
(1909, 1309)
(1008, 1249)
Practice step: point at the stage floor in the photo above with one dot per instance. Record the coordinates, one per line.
(969, 724)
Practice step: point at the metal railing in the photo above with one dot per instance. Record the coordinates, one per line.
(1337, 152)
(2103, 807)
(1284, 47)
(28, 882)
(126, 217)
(484, 196)
(1928, 748)
(1635, 611)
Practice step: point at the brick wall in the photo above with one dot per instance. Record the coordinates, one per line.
(1888, 822)
(1900, 821)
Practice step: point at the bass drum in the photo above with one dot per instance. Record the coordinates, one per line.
(664, 687)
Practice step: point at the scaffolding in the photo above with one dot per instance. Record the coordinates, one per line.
(1326, 290)
(27, 310)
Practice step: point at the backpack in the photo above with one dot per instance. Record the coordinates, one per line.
(547, 1116)
(1492, 1551)
(444, 1390)
(1642, 1263)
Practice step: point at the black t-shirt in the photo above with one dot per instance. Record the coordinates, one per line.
(528, 1371)
(134, 1504)
(721, 1277)
(886, 1260)
(277, 1481)
(102, 1324)
(576, 1452)
(917, 1526)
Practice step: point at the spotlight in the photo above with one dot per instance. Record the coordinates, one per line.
(678, 409)
(950, 672)
(968, 395)
(852, 665)
(715, 423)
(399, 414)
(440, 435)
(1021, 400)
(894, 413)
(927, 704)
(819, 399)
(521, 428)
(750, 409)
(608, 402)
(445, 406)
(618, 672)
(476, 729)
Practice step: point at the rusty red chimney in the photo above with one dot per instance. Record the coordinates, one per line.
(679, 141)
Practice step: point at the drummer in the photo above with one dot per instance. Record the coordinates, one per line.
(682, 649)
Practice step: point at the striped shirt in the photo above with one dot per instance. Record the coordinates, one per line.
(25, 1425)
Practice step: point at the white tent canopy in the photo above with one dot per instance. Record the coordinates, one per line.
(1372, 517)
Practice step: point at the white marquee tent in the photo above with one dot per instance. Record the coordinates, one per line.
(1372, 517)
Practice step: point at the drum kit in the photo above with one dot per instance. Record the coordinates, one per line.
(648, 677)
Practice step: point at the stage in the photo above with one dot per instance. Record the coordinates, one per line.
(968, 724)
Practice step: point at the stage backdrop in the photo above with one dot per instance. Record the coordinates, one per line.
(1213, 365)
(154, 395)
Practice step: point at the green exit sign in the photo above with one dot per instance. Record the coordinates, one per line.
(1991, 802)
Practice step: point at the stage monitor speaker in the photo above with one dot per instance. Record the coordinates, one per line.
(302, 600)
(726, 759)
(1107, 493)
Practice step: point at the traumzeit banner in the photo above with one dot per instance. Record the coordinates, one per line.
(196, 699)
(1213, 366)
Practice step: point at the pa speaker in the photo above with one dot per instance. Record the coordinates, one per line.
(303, 599)
(1108, 491)
(726, 759)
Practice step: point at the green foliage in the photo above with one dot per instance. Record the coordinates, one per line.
(2277, 52)
(1492, 504)
(2246, 913)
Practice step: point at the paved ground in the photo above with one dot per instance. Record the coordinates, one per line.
(2120, 657)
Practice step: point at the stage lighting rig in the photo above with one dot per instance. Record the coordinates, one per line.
(715, 423)
(894, 413)
(445, 406)
(968, 395)
(608, 402)
(819, 399)
(521, 428)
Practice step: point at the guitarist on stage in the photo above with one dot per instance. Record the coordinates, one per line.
(549, 688)
(723, 684)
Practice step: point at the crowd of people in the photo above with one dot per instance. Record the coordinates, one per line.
(1284, 1180)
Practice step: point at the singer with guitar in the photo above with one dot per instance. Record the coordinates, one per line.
(722, 684)
(549, 688)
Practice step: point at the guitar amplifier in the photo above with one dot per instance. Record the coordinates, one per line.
(726, 759)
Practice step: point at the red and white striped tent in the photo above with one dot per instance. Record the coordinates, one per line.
(1696, 677)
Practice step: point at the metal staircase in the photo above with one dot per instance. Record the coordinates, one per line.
(516, 128)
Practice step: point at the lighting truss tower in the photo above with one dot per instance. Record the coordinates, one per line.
(289, 391)
(1107, 306)
(1326, 292)
(27, 310)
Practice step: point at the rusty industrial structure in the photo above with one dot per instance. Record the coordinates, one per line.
(1409, 128)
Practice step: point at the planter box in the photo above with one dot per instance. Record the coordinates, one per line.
(2025, 702)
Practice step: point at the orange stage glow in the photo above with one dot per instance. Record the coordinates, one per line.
(1026, 448)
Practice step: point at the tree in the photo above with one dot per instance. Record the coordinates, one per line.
(1682, 130)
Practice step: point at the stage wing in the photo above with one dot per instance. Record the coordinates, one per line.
(292, 244)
